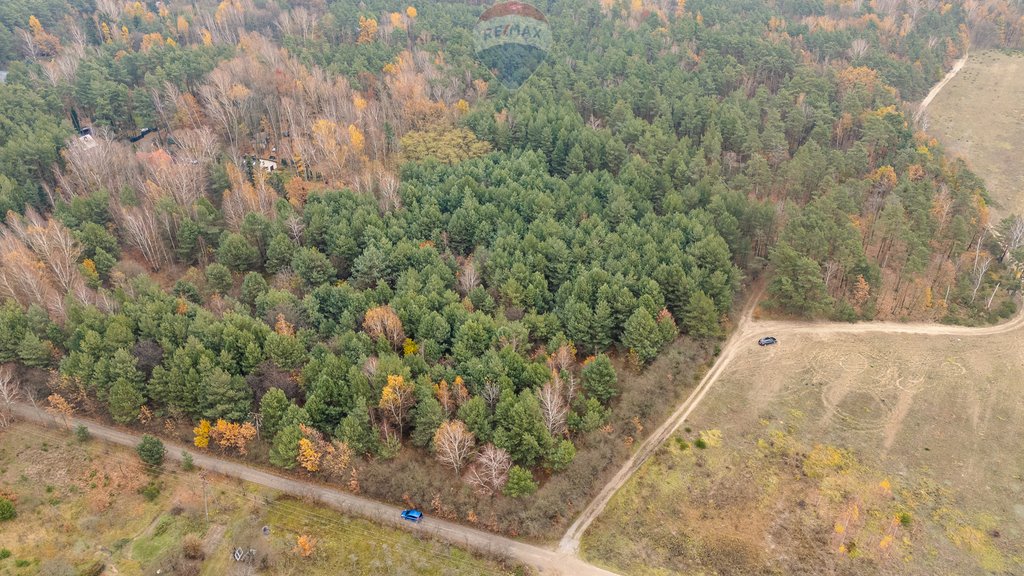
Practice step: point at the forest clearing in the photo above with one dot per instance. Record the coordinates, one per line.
(86, 507)
(856, 453)
(979, 116)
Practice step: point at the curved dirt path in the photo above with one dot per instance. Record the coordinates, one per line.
(542, 559)
(745, 335)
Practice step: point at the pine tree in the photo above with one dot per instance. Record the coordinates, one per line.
(357, 430)
(641, 335)
(124, 401)
(429, 415)
(35, 352)
(599, 379)
(273, 408)
(477, 418)
(227, 397)
(701, 318)
(285, 449)
(520, 483)
(520, 427)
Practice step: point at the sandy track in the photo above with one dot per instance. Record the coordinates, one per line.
(938, 87)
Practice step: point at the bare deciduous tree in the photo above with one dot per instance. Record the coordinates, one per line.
(489, 471)
(553, 406)
(469, 277)
(981, 267)
(1013, 235)
(453, 444)
(10, 392)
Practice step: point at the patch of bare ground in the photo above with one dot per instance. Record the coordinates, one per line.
(842, 454)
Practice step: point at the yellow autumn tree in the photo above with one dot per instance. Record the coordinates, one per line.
(356, 138)
(35, 26)
(367, 30)
(202, 434)
(409, 347)
(410, 12)
(308, 456)
(396, 399)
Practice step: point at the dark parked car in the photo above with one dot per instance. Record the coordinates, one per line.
(412, 515)
(767, 341)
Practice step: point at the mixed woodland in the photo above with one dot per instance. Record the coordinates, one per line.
(445, 292)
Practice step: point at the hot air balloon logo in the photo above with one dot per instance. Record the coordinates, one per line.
(512, 39)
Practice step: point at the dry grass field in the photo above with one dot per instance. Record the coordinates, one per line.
(852, 454)
(81, 507)
(979, 116)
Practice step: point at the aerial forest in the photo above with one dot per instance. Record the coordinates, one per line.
(319, 234)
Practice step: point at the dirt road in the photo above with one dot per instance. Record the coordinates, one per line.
(746, 334)
(938, 87)
(545, 560)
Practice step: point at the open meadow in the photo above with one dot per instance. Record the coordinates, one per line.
(837, 454)
(92, 508)
(979, 115)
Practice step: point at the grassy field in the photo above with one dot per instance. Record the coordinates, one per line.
(882, 454)
(979, 115)
(81, 505)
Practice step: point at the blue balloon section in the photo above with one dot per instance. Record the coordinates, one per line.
(512, 39)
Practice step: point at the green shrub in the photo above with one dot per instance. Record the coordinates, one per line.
(7, 511)
(905, 518)
(520, 483)
(700, 443)
(150, 491)
(187, 464)
(22, 563)
(82, 433)
(5, 554)
(151, 450)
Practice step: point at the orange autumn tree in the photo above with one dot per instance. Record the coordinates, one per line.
(305, 545)
(233, 435)
(60, 408)
(316, 454)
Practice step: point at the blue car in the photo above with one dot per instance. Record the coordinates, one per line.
(412, 515)
(767, 341)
